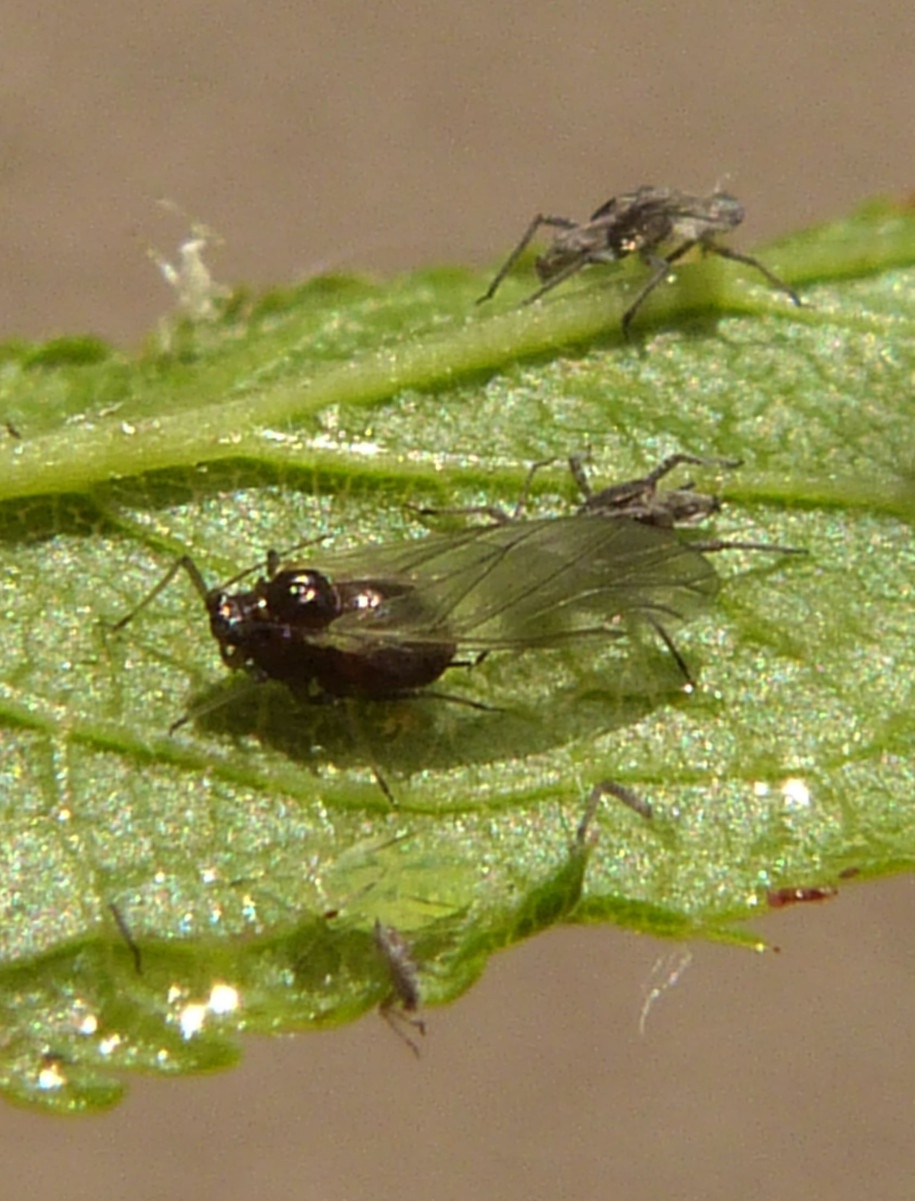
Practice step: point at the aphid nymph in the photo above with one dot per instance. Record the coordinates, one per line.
(403, 1001)
(639, 222)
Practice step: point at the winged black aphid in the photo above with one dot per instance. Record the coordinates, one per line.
(385, 620)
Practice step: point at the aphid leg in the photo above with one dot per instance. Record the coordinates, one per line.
(660, 268)
(583, 837)
(621, 496)
(672, 647)
(397, 1019)
(630, 799)
(355, 733)
(11, 430)
(524, 494)
(570, 269)
(579, 474)
(496, 514)
(726, 252)
(185, 563)
(121, 922)
(453, 699)
(678, 459)
(711, 545)
(540, 219)
(383, 785)
(255, 679)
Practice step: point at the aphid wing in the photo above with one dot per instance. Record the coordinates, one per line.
(576, 577)
(526, 584)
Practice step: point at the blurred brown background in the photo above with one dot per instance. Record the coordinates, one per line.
(325, 134)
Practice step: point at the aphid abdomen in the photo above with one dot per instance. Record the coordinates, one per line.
(380, 671)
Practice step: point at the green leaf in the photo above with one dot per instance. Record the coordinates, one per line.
(246, 857)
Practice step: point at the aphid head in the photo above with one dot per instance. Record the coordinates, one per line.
(300, 597)
(725, 210)
(229, 613)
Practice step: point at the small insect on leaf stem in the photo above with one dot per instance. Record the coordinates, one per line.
(403, 1001)
(639, 222)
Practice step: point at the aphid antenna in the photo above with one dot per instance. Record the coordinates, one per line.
(270, 563)
(184, 563)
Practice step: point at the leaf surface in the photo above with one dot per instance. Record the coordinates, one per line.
(246, 857)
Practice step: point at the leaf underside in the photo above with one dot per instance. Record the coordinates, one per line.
(162, 892)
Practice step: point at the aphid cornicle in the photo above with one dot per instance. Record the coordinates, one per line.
(638, 222)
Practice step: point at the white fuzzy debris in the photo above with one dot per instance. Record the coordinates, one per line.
(196, 291)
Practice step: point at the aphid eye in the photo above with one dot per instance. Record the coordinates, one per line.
(302, 598)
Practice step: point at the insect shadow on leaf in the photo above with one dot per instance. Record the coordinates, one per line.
(640, 222)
